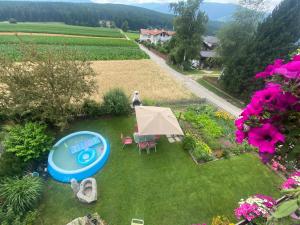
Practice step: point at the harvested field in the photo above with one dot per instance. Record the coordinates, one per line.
(143, 75)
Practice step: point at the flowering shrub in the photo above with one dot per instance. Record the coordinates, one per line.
(271, 120)
(292, 182)
(277, 166)
(255, 206)
(223, 115)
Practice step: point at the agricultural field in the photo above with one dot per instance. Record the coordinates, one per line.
(132, 35)
(86, 47)
(58, 40)
(60, 28)
(148, 78)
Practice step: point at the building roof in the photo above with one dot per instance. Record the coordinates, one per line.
(156, 32)
(210, 40)
(208, 54)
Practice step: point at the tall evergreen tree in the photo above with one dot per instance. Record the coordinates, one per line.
(276, 36)
(189, 24)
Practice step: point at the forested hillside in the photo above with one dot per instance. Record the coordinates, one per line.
(87, 14)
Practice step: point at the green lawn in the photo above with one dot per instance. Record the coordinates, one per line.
(220, 93)
(60, 28)
(163, 188)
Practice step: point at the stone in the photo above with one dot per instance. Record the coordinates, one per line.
(87, 191)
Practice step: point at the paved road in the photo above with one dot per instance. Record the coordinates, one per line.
(195, 87)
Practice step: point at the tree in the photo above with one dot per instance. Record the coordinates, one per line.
(124, 26)
(28, 142)
(21, 194)
(246, 50)
(189, 24)
(12, 20)
(45, 86)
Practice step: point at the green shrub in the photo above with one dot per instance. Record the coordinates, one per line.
(21, 194)
(188, 143)
(202, 152)
(92, 108)
(208, 126)
(115, 102)
(203, 109)
(11, 165)
(29, 141)
(9, 217)
(226, 154)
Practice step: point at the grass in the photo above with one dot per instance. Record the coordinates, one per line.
(221, 93)
(84, 51)
(162, 188)
(60, 28)
(133, 35)
(143, 75)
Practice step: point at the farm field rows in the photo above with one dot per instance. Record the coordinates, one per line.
(83, 51)
(56, 40)
(102, 46)
(59, 28)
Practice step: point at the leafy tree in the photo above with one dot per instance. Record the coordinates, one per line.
(12, 20)
(46, 86)
(28, 142)
(21, 194)
(124, 26)
(116, 102)
(247, 48)
(189, 24)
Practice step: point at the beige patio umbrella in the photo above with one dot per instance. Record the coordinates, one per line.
(156, 121)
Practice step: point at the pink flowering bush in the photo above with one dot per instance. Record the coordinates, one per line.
(292, 182)
(254, 207)
(271, 120)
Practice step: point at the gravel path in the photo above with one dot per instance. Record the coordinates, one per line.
(195, 87)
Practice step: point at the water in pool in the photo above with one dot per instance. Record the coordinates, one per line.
(63, 158)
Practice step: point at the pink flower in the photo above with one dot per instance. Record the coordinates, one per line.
(247, 211)
(239, 123)
(255, 108)
(267, 95)
(296, 58)
(291, 182)
(270, 69)
(265, 138)
(290, 70)
(240, 136)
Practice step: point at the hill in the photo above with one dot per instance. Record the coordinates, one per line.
(215, 11)
(89, 14)
(85, 14)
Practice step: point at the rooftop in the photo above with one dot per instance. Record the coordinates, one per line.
(156, 32)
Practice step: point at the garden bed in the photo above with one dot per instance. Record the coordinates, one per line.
(209, 134)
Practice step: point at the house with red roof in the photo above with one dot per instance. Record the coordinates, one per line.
(156, 35)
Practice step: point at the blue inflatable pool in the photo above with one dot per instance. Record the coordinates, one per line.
(78, 155)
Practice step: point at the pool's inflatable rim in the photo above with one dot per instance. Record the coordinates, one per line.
(66, 175)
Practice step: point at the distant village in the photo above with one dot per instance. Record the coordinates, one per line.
(160, 36)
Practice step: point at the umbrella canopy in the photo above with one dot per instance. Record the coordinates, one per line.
(156, 121)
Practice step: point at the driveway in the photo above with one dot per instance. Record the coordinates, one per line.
(195, 87)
